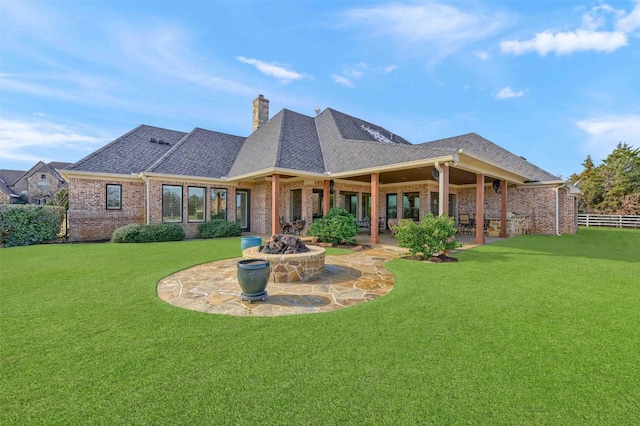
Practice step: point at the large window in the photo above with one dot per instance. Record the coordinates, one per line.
(171, 203)
(242, 208)
(114, 197)
(219, 203)
(196, 204)
(411, 206)
(296, 204)
(435, 204)
(392, 206)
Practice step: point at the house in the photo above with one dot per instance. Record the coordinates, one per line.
(295, 166)
(38, 185)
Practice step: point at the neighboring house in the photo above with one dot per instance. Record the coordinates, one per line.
(8, 195)
(295, 166)
(37, 185)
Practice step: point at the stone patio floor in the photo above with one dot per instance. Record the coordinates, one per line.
(347, 280)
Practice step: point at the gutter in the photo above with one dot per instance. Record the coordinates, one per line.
(557, 189)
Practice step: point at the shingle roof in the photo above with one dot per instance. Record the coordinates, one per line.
(478, 145)
(11, 176)
(130, 153)
(329, 142)
(201, 153)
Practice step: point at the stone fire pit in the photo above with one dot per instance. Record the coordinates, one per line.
(292, 261)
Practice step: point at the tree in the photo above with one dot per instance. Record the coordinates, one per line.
(613, 187)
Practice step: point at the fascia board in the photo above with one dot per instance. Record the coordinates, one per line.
(396, 166)
(79, 174)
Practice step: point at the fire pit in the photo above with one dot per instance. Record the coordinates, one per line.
(289, 258)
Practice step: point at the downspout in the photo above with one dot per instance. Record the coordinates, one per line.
(148, 204)
(557, 189)
(440, 188)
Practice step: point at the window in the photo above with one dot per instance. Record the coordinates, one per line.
(196, 204)
(366, 205)
(351, 202)
(43, 176)
(218, 203)
(171, 203)
(411, 206)
(296, 204)
(43, 185)
(316, 203)
(392, 206)
(114, 197)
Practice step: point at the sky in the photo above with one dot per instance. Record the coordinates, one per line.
(552, 81)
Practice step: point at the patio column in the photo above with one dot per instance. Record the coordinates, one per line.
(326, 198)
(503, 209)
(445, 189)
(375, 192)
(479, 209)
(275, 204)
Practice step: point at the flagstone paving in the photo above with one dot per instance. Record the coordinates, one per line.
(347, 280)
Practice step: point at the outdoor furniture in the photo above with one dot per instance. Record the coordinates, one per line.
(285, 227)
(464, 223)
(297, 226)
(364, 225)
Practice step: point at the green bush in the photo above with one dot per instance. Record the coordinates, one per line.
(24, 224)
(430, 237)
(138, 233)
(337, 227)
(218, 228)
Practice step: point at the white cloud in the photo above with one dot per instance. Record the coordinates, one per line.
(605, 132)
(567, 42)
(590, 35)
(438, 29)
(390, 69)
(31, 141)
(342, 80)
(630, 22)
(273, 70)
(506, 93)
(481, 54)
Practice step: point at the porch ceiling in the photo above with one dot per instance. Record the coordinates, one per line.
(456, 176)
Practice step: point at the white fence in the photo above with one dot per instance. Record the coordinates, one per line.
(612, 220)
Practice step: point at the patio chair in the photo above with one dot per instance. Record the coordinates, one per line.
(285, 227)
(464, 223)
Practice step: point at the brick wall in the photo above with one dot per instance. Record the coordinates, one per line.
(89, 218)
(539, 203)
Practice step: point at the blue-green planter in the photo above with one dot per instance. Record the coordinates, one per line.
(253, 276)
(246, 242)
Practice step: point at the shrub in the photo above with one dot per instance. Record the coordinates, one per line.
(218, 228)
(138, 233)
(337, 227)
(21, 225)
(430, 237)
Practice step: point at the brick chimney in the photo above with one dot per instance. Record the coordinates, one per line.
(260, 111)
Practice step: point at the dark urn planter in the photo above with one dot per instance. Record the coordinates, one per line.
(253, 276)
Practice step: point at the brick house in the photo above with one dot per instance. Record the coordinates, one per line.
(38, 185)
(295, 166)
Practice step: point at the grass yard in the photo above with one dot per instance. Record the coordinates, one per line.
(529, 331)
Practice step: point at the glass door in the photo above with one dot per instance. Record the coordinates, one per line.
(242, 208)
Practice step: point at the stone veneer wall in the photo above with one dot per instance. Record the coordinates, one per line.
(536, 202)
(34, 193)
(89, 219)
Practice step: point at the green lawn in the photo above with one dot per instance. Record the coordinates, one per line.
(532, 330)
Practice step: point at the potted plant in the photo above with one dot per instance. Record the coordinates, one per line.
(253, 276)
